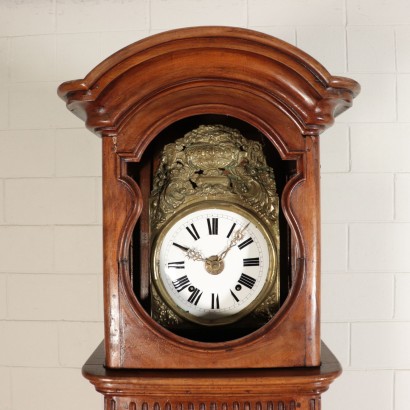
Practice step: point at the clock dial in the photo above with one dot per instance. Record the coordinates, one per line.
(213, 265)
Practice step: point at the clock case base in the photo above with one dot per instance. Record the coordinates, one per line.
(248, 389)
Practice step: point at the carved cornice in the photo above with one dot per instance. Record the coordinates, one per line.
(190, 58)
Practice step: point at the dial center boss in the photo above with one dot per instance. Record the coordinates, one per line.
(214, 265)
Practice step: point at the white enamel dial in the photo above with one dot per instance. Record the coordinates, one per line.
(213, 265)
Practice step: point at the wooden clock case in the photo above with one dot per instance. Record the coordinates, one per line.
(187, 76)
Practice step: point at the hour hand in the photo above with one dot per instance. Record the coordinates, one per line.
(195, 255)
(191, 253)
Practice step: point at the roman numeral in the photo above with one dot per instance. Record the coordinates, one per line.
(180, 246)
(231, 230)
(247, 281)
(195, 296)
(177, 265)
(212, 226)
(245, 243)
(234, 296)
(251, 262)
(193, 232)
(215, 301)
(181, 283)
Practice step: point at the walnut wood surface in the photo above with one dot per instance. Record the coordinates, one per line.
(134, 95)
(270, 389)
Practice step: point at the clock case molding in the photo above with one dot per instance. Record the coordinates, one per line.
(135, 94)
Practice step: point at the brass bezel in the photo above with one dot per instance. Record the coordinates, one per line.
(268, 287)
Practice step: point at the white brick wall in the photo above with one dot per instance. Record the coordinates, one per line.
(50, 188)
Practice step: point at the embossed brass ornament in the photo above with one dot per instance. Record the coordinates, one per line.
(215, 164)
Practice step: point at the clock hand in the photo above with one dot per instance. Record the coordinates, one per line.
(190, 253)
(194, 255)
(237, 236)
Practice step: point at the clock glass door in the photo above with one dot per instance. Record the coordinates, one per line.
(214, 263)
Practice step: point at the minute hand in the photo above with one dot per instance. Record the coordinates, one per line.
(238, 235)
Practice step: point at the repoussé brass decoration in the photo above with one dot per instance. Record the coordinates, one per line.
(214, 162)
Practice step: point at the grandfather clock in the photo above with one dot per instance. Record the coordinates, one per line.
(211, 220)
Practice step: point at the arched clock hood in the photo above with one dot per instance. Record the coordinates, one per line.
(140, 91)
